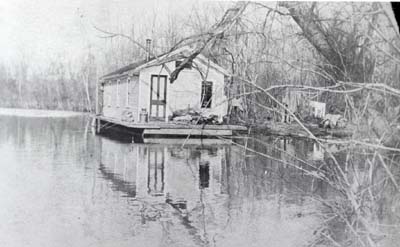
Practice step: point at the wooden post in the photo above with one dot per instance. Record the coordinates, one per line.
(98, 109)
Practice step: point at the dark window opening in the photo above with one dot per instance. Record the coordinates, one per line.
(204, 174)
(187, 65)
(206, 94)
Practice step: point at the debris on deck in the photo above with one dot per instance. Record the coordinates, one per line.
(193, 116)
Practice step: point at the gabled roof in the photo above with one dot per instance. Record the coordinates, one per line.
(180, 53)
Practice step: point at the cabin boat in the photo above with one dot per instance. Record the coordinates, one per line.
(142, 98)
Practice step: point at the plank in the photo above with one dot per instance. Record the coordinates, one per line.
(185, 132)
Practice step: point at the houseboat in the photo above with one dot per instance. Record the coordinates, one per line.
(141, 98)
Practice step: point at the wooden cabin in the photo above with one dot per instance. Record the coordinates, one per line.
(142, 96)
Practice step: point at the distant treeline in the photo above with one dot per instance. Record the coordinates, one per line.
(58, 87)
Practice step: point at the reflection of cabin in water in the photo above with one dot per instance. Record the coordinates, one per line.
(142, 97)
(169, 172)
(160, 171)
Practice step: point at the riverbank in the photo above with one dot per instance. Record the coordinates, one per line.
(295, 130)
(20, 112)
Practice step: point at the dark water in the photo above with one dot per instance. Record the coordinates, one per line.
(60, 185)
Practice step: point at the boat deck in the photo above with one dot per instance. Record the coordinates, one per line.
(150, 129)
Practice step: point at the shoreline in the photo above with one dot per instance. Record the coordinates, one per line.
(39, 113)
(294, 130)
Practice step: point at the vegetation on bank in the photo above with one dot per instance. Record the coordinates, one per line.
(59, 86)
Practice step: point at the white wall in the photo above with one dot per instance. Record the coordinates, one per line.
(110, 109)
(115, 102)
(186, 90)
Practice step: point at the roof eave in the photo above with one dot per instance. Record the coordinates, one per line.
(125, 74)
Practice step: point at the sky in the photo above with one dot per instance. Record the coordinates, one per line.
(39, 29)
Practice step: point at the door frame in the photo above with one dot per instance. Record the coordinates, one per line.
(157, 102)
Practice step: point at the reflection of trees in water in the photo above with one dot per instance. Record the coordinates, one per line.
(358, 203)
(227, 189)
(370, 187)
(56, 139)
(288, 165)
(284, 174)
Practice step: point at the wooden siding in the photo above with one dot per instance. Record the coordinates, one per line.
(134, 97)
(116, 94)
(186, 90)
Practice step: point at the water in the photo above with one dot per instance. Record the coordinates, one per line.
(60, 185)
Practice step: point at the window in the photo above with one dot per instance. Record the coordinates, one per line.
(128, 82)
(188, 65)
(117, 93)
(206, 94)
(106, 95)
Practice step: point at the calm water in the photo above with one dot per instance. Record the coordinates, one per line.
(60, 185)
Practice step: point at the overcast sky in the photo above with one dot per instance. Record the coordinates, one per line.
(38, 29)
